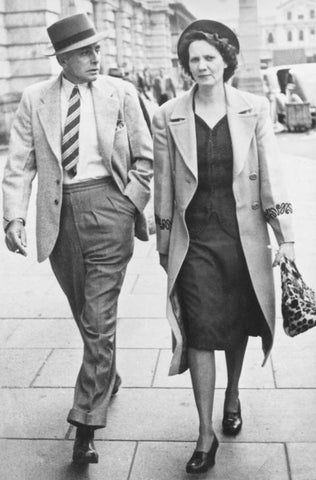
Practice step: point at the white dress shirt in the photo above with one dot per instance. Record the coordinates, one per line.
(90, 165)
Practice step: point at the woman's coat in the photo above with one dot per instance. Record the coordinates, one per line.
(257, 185)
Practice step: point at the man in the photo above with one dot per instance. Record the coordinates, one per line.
(85, 137)
(163, 87)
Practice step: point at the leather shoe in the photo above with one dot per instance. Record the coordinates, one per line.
(84, 451)
(232, 422)
(200, 462)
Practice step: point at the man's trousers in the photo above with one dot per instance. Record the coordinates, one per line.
(89, 260)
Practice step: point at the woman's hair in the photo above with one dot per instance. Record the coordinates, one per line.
(227, 51)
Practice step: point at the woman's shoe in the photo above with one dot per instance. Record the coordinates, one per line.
(200, 462)
(232, 422)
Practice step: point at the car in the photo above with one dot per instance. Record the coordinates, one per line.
(301, 77)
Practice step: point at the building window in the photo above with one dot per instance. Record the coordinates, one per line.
(300, 16)
(270, 38)
(289, 36)
(289, 15)
(312, 14)
(301, 35)
(312, 31)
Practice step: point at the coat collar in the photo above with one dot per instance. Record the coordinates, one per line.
(241, 119)
(106, 107)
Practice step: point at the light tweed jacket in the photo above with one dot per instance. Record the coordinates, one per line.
(35, 148)
(258, 187)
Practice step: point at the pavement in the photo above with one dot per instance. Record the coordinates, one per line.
(152, 422)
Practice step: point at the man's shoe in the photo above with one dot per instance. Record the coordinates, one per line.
(84, 451)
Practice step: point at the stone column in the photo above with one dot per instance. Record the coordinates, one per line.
(249, 74)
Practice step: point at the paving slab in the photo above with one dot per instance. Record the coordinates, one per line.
(148, 265)
(136, 367)
(142, 306)
(167, 460)
(170, 414)
(149, 284)
(45, 333)
(7, 328)
(253, 375)
(51, 460)
(302, 458)
(35, 304)
(143, 333)
(19, 367)
(34, 412)
(292, 344)
(297, 370)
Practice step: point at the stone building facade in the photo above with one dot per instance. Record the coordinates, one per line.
(289, 36)
(140, 33)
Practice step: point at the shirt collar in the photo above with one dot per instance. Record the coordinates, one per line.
(68, 87)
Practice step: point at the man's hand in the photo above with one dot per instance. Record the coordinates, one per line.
(16, 237)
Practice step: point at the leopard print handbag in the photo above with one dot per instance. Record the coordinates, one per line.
(298, 300)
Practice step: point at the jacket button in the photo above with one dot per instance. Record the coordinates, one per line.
(56, 201)
(253, 176)
(58, 182)
(255, 206)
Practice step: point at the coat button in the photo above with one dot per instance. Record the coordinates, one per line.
(255, 206)
(56, 201)
(58, 182)
(253, 176)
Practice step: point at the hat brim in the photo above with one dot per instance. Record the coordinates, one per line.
(211, 26)
(83, 43)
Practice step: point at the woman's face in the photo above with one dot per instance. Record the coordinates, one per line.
(206, 63)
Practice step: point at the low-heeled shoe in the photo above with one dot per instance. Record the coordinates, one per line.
(232, 422)
(200, 462)
(84, 451)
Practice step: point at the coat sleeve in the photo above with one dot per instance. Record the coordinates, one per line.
(20, 168)
(140, 142)
(277, 208)
(163, 182)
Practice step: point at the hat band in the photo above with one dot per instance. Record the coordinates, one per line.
(77, 37)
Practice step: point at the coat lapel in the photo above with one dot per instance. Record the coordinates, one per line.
(106, 107)
(242, 121)
(182, 127)
(50, 117)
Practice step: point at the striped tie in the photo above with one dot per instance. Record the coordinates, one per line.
(70, 143)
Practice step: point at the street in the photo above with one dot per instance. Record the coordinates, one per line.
(152, 422)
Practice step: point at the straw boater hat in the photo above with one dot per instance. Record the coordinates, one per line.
(70, 33)
(210, 26)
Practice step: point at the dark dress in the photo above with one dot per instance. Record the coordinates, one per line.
(219, 304)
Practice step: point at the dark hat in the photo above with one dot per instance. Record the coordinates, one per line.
(70, 33)
(210, 26)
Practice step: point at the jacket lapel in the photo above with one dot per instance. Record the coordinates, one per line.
(182, 127)
(106, 107)
(50, 117)
(242, 121)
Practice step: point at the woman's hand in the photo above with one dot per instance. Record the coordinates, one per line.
(285, 250)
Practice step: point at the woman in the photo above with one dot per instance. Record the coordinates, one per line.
(217, 185)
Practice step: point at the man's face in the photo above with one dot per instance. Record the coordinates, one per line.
(81, 65)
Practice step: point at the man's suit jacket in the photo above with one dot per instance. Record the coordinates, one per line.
(35, 148)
